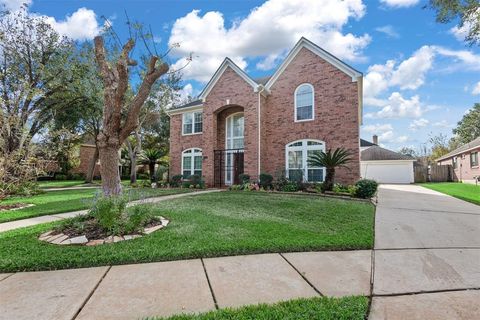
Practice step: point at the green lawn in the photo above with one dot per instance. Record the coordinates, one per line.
(464, 191)
(69, 200)
(60, 183)
(323, 308)
(75, 183)
(209, 225)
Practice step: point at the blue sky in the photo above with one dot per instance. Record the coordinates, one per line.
(420, 77)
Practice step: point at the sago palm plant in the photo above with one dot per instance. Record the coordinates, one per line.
(330, 160)
(150, 157)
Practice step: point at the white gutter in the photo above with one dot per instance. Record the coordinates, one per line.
(259, 129)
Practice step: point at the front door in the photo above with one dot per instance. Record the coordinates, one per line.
(234, 144)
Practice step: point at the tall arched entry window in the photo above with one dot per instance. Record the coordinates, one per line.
(234, 144)
(296, 159)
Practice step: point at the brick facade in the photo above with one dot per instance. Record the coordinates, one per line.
(86, 155)
(336, 120)
(464, 171)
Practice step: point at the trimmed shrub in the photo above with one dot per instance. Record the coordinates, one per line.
(265, 180)
(60, 177)
(244, 178)
(176, 180)
(290, 186)
(365, 188)
(195, 180)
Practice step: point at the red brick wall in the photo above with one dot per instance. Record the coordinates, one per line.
(464, 172)
(239, 93)
(336, 113)
(336, 118)
(86, 155)
(179, 143)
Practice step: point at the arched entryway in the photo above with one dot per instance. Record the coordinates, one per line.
(229, 154)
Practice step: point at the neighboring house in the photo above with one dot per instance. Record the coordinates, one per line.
(86, 154)
(240, 125)
(465, 161)
(383, 165)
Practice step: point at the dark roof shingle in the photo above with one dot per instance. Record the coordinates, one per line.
(376, 153)
(472, 144)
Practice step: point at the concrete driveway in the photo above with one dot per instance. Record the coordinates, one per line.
(426, 244)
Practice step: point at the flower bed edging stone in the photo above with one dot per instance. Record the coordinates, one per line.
(63, 239)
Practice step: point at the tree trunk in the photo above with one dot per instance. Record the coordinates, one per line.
(109, 161)
(328, 184)
(91, 166)
(133, 168)
(151, 168)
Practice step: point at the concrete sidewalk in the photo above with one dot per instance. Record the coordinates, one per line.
(426, 257)
(187, 286)
(12, 225)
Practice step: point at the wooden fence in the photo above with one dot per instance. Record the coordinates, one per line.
(433, 173)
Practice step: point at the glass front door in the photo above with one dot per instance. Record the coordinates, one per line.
(234, 144)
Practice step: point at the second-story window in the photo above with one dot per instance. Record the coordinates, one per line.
(304, 102)
(192, 122)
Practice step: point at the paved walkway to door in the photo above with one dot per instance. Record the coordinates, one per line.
(426, 257)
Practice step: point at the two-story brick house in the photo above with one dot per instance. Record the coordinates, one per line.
(241, 125)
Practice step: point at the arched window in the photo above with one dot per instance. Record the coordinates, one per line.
(304, 102)
(191, 162)
(296, 159)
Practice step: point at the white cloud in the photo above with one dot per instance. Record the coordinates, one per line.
(418, 123)
(476, 89)
(14, 4)
(391, 137)
(80, 25)
(410, 74)
(399, 107)
(268, 31)
(377, 128)
(442, 124)
(465, 58)
(400, 3)
(389, 31)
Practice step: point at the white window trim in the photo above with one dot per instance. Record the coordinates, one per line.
(193, 123)
(304, 148)
(295, 102)
(193, 154)
(227, 119)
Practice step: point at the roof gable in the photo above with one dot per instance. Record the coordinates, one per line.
(328, 57)
(475, 143)
(226, 64)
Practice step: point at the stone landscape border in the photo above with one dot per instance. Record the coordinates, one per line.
(63, 239)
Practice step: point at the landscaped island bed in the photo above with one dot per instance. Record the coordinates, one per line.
(349, 308)
(52, 202)
(464, 191)
(209, 225)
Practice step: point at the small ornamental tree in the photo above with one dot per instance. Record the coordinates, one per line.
(330, 160)
(120, 120)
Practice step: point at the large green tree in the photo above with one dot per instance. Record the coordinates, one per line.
(469, 127)
(33, 57)
(465, 12)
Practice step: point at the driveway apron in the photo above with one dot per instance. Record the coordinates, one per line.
(427, 244)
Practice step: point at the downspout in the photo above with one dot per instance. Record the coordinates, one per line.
(261, 88)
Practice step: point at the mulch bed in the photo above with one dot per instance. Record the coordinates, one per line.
(92, 230)
(6, 207)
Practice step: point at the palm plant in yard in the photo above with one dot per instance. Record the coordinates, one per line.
(330, 160)
(151, 157)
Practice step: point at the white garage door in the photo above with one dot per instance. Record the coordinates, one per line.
(394, 171)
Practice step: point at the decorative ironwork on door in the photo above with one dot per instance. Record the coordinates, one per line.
(228, 166)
